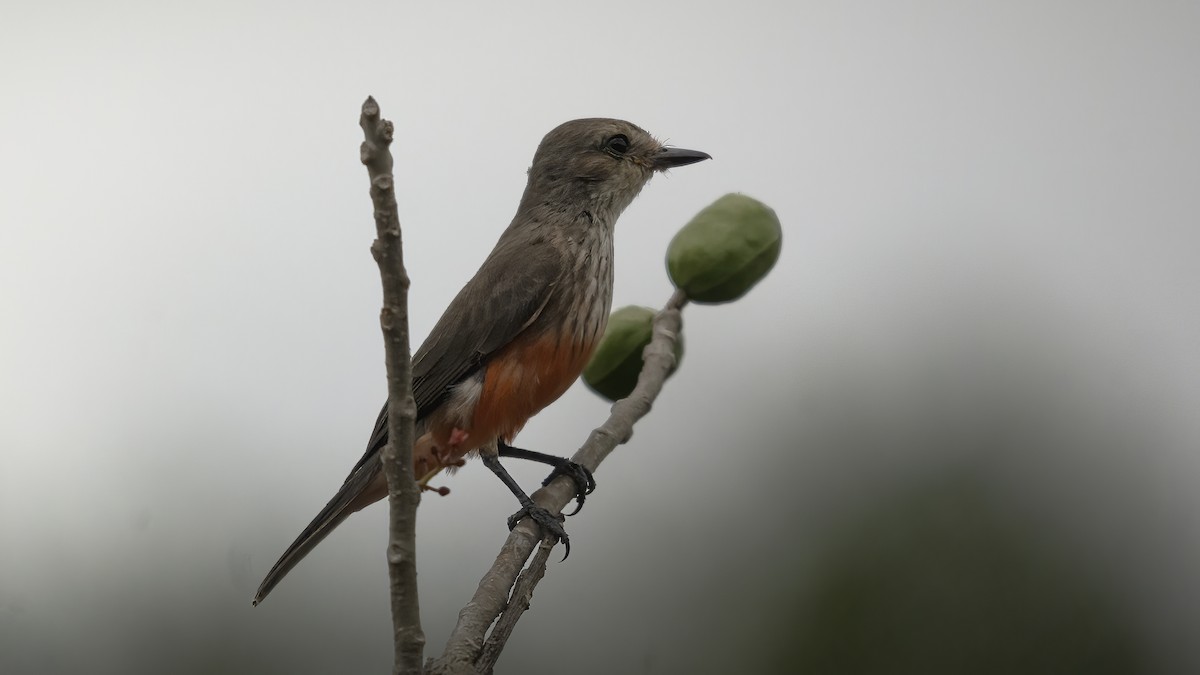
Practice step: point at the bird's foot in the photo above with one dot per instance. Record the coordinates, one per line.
(551, 524)
(585, 482)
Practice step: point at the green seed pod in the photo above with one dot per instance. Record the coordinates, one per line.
(725, 249)
(614, 368)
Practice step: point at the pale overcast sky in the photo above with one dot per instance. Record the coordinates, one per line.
(990, 217)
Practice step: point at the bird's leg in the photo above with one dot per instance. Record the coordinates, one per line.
(550, 523)
(585, 483)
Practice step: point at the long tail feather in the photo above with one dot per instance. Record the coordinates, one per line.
(352, 496)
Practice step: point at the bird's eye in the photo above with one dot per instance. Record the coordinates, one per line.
(618, 144)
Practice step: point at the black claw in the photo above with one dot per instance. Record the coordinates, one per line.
(551, 524)
(585, 483)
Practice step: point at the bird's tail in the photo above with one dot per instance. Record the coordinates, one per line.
(362, 487)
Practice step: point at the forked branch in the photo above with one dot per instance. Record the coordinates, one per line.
(470, 649)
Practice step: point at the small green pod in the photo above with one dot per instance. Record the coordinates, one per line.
(617, 361)
(725, 249)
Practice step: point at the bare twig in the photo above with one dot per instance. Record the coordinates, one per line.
(467, 641)
(403, 494)
(522, 594)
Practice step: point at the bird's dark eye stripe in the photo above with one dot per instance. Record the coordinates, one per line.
(618, 144)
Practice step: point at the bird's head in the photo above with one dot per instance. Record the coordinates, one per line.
(600, 164)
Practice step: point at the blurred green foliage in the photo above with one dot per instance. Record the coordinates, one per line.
(936, 580)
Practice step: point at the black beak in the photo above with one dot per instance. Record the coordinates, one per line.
(669, 158)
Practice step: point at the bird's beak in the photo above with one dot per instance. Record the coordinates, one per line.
(669, 158)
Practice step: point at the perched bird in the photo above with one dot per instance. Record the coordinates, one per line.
(522, 329)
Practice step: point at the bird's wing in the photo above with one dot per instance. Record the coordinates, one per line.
(497, 304)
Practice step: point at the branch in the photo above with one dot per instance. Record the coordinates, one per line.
(403, 493)
(522, 594)
(467, 641)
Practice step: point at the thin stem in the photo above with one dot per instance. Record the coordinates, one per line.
(403, 493)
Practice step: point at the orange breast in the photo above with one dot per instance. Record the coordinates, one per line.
(524, 377)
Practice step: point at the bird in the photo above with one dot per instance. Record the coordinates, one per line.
(520, 331)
